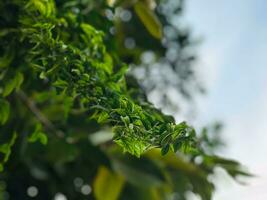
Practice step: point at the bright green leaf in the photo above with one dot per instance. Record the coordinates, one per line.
(102, 117)
(38, 135)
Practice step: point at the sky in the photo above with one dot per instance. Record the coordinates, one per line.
(233, 66)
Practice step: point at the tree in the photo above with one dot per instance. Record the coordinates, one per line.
(64, 86)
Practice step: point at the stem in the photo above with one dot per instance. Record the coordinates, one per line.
(38, 114)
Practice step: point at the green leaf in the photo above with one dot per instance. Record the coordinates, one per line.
(45, 7)
(94, 35)
(40, 6)
(149, 19)
(13, 83)
(102, 117)
(108, 63)
(38, 135)
(42, 75)
(60, 83)
(107, 185)
(6, 150)
(177, 144)
(4, 111)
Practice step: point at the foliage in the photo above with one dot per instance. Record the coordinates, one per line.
(61, 79)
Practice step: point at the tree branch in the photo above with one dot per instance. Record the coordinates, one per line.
(38, 114)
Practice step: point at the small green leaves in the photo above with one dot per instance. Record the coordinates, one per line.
(45, 7)
(102, 117)
(120, 74)
(4, 111)
(84, 69)
(93, 36)
(149, 19)
(13, 83)
(38, 135)
(6, 150)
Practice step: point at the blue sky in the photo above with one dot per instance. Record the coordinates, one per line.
(233, 65)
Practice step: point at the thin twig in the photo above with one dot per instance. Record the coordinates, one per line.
(38, 114)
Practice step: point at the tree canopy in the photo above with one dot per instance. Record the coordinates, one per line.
(71, 87)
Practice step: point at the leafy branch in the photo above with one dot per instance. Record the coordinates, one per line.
(83, 69)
